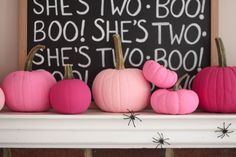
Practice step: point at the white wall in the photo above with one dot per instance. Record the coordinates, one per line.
(8, 36)
(9, 26)
(227, 26)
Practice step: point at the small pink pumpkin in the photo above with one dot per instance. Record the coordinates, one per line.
(28, 91)
(176, 101)
(159, 75)
(2, 99)
(70, 96)
(216, 85)
(120, 89)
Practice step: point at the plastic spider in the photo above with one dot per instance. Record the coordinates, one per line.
(224, 131)
(132, 117)
(161, 141)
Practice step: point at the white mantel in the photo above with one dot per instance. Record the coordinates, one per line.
(96, 129)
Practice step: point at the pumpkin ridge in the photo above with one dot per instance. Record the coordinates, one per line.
(216, 102)
(216, 92)
(206, 101)
(166, 76)
(119, 92)
(224, 89)
(101, 90)
(155, 73)
(22, 87)
(179, 105)
(234, 73)
(110, 107)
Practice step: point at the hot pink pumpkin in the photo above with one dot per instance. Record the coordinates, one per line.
(2, 99)
(70, 96)
(159, 75)
(28, 91)
(216, 85)
(177, 101)
(120, 90)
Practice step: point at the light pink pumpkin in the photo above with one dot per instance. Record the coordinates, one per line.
(70, 96)
(28, 91)
(175, 101)
(120, 90)
(2, 99)
(159, 75)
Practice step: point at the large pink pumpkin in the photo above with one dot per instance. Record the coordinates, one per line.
(70, 96)
(28, 91)
(216, 85)
(120, 90)
(159, 75)
(177, 101)
(2, 99)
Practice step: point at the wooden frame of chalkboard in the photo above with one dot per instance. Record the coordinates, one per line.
(23, 30)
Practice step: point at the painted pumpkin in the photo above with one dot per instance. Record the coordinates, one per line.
(159, 75)
(70, 96)
(120, 89)
(176, 101)
(2, 99)
(216, 85)
(28, 91)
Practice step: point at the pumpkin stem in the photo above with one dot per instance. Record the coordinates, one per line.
(118, 51)
(177, 84)
(68, 72)
(221, 52)
(30, 57)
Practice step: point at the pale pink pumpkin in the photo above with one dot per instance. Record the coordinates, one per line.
(216, 85)
(70, 96)
(159, 75)
(28, 91)
(121, 90)
(176, 101)
(2, 99)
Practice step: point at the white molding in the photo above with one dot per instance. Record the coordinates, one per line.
(96, 129)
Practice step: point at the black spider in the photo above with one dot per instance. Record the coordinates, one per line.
(224, 131)
(132, 117)
(161, 140)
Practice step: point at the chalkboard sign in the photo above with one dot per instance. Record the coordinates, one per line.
(176, 33)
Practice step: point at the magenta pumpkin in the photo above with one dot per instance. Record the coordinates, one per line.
(70, 96)
(176, 101)
(216, 85)
(2, 99)
(28, 91)
(120, 89)
(159, 75)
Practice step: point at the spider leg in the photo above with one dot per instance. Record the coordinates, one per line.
(227, 134)
(166, 142)
(129, 122)
(223, 135)
(155, 140)
(228, 126)
(230, 132)
(126, 118)
(139, 119)
(220, 128)
(133, 122)
(126, 115)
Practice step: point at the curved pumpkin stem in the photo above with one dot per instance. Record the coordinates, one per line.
(177, 84)
(30, 57)
(68, 72)
(221, 52)
(118, 51)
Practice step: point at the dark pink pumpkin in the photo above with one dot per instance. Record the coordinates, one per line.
(216, 85)
(70, 96)
(28, 91)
